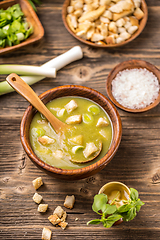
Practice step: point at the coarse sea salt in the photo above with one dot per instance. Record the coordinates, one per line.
(135, 88)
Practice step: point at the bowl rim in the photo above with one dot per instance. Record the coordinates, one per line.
(102, 189)
(142, 25)
(100, 164)
(131, 64)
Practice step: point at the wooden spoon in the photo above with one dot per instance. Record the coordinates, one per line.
(26, 91)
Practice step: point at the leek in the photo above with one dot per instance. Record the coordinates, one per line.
(29, 70)
(59, 62)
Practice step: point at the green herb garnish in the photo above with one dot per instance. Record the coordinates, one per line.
(13, 26)
(110, 213)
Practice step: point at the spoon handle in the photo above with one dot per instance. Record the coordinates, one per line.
(27, 92)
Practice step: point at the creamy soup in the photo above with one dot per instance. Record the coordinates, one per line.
(90, 129)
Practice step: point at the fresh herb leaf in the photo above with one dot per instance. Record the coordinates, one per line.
(133, 194)
(111, 214)
(95, 221)
(100, 201)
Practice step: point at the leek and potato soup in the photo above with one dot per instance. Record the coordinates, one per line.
(89, 134)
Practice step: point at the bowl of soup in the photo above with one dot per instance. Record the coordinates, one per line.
(89, 144)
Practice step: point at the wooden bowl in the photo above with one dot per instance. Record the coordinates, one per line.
(31, 18)
(143, 22)
(130, 65)
(73, 90)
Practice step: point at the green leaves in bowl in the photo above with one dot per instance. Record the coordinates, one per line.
(14, 28)
(111, 214)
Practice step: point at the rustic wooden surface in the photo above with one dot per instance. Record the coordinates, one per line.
(137, 162)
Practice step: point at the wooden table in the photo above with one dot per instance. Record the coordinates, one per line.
(137, 162)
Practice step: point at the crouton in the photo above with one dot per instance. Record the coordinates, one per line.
(54, 219)
(44, 140)
(75, 119)
(37, 182)
(37, 198)
(138, 13)
(58, 153)
(42, 207)
(97, 37)
(69, 201)
(132, 29)
(110, 39)
(59, 211)
(64, 216)
(90, 149)
(63, 225)
(92, 15)
(72, 105)
(125, 13)
(120, 22)
(46, 234)
(77, 140)
(112, 27)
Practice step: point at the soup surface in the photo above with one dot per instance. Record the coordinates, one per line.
(90, 129)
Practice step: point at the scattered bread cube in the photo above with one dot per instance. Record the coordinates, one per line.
(44, 140)
(54, 219)
(75, 119)
(37, 198)
(42, 207)
(59, 211)
(69, 201)
(90, 149)
(37, 182)
(46, 234)
(63, 225)
(64, 216)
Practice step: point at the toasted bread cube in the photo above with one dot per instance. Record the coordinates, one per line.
(125, 13)
(54, 219)
(37, 198)
(120, 22)
(108, 14)
(46, 234)
(70, 9)
(77, 140)
(127, 25)
(104, 2)
(63, 225)
(102, 122)
(112, 27)
(134, 21)
(42, 207)
(61, 112)
(58, 153)
(72, 105)
(137, 3)
(119, 40)
(59, 211)
(44, 140)
(63, 218)
(69, 201)
(90, 149)
(92, 15)
(121, 29)
(75, 119)
(110, 39)
(125, 35)
(97, 37)
(138, 13)
(132, 29)
(37, 182)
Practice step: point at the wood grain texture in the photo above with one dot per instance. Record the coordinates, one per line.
(137, 162)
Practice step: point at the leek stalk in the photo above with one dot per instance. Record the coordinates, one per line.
(59, 62)
(27, 69)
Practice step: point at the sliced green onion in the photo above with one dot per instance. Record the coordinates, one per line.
(59, 62)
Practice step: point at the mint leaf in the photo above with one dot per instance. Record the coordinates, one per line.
(95, 221)
(133, 194)
(99, 201)
(109, 209)
(111, 220)
(124, 208)
(138, 205)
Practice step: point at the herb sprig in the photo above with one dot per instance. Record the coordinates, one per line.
(110, 213)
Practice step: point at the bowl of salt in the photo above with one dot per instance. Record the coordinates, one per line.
(134, 86)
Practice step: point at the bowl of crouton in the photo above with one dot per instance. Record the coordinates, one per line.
(70, 170)
(105, 23)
